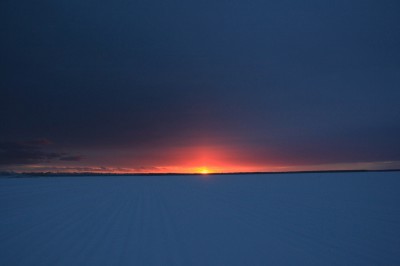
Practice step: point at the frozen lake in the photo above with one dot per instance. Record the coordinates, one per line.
(281, 219)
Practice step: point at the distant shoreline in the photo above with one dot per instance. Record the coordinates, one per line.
(48, 174)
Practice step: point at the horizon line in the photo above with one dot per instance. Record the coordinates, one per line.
(4, 173)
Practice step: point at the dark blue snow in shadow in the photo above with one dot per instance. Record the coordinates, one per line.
(296, 219)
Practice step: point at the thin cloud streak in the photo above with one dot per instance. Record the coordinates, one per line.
(31, 152)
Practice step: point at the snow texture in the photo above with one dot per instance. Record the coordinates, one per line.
(281, 219)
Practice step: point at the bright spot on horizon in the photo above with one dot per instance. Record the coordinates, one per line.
(203, 171)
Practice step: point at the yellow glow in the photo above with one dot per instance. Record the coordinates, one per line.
(203, 171)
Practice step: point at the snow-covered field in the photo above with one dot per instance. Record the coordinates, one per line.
(282, 219)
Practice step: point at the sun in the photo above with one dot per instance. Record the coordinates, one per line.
(203, 171)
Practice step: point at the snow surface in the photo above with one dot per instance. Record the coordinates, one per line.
(282, 219)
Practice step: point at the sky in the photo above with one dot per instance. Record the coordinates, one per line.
(194, 86)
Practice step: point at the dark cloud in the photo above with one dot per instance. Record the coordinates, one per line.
(73, 158)
(30, 152)
(94, 169)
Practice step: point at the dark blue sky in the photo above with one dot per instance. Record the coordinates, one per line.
(134, 83)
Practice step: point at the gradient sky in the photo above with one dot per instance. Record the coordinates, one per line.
(178, 86)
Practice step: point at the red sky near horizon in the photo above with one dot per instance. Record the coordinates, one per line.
(192, 159)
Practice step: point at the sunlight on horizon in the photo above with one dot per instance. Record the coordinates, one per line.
(203, 171)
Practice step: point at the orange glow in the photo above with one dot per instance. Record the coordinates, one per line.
(203, 171)
(199, 158)
(208, 159)
(192, 159)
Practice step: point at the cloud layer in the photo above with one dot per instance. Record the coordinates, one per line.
(31, 152)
